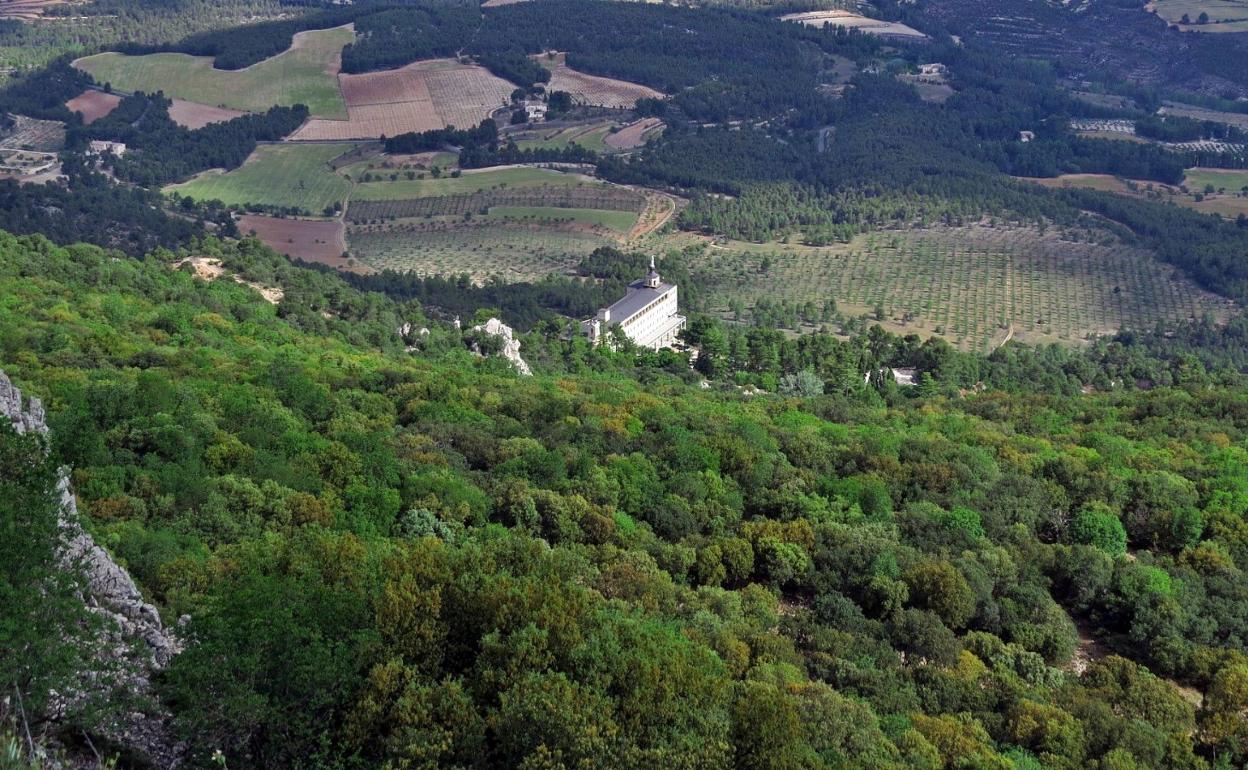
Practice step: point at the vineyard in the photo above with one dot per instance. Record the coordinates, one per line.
(973, 286)
(512, 251)
(565, 197)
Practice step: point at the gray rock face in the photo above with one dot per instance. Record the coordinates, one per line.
(133, 634)
(511, 345)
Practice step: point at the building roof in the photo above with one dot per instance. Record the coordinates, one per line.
(638, 297)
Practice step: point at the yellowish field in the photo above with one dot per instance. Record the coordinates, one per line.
(306, 73)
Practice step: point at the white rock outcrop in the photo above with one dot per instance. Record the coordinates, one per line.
(511, 345)
(133, 636)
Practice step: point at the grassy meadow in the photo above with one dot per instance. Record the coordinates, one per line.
(292, 175)
(304, 74)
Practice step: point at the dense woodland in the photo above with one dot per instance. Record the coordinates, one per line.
(418, 557)
(396, 552)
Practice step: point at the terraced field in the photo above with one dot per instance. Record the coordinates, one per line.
(974, 285)
(306, 73)
(295, 176)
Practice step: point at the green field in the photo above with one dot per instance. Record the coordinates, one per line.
(301, 75)
(1224, 15)
(294, 175)
(1232, 181)
(467, 183)
(513, 251)
(591, 137)
(971, 285)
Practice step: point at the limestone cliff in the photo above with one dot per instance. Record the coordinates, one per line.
(134, 640)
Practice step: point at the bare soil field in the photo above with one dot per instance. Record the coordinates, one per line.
(322, 241)
(422, 96)
(93, 105)
(852, 20)
(592, 90)
(194, 115)
(634, 135)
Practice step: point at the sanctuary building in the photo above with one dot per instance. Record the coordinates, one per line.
(648, 314)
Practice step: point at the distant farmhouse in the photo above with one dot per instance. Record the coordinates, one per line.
(647, 314)
(99, 147)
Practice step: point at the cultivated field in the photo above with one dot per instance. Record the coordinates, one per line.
(306, 73)
(592, 90)
(296, 176)
(469, 182)
(320, 240)
(31, 134)
(1227, 199)
(93, 105)
(193, 115)
(422, 96)
(516, 252)
(1237, 119)
(620, 200)
(972, 285)
(1224, 15)
(635, 134)
(26, 10)
(853, 20)
(592, 136)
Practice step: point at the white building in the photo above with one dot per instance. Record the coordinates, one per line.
(648, 314)
(100, 147)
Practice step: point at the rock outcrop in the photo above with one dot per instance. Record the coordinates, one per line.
(134, 641)
(511, 345)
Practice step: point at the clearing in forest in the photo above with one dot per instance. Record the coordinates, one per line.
(592, 90)
(421, 96)
(857, 21)
(970, 285)
(1219, 15)
(312, 240)
(306, 73)
(93, 105)
(293, 176)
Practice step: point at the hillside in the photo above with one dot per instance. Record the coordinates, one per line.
(418, 556)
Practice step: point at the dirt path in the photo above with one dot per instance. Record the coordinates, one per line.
(659, 210)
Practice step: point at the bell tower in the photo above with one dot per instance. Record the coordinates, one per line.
(652, 278)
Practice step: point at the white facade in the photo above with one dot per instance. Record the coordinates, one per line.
(648, 314)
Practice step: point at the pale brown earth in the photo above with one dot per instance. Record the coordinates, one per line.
(322, 241)
(593, 90)
(194, 115)
(633, 135)
(93, 105)
(210, 269)
(422, 96)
